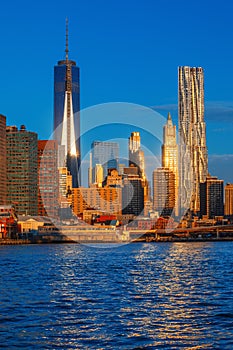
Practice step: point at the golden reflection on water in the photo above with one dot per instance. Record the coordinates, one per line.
(171, 290)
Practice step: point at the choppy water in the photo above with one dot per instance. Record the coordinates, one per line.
(139, 296)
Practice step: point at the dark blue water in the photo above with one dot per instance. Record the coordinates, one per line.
(138, 296)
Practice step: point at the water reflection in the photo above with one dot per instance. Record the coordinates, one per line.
(169, 295)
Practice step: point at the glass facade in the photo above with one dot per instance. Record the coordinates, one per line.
(67, 114)
(192, 136)
(22, 170)
(106, 154)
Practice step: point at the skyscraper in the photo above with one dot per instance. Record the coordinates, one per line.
(211, 197)
(67, 112)
(229, 199)
(192, 136)
(2, 159)
(106, 154)
(133, 197)
(136, 154)
(48, 178)
(137, 159)
(164, 191)
(22, 170)
(170, 155)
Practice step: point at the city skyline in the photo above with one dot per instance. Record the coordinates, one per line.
(108, 59)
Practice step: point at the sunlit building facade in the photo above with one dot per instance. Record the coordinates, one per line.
(164, 191)
(170, 156)
(98, 175)
(48, 178)
(22, 170)
(67, 113)
(228, 210)
(136, 154)
(211, 197)
(193, 161)
(65, 187)
(3, 189)
(105, 199)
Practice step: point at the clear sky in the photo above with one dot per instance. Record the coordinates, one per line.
(128, 51)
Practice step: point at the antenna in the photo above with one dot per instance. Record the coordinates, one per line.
(67, 37)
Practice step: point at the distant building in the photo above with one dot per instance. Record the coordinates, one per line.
(170, 155)
(164, 191)
(65, 193)
(22, 170)
(3, 188)
(228, 200)
(65, 187)
(211, 197)
(48, 178)
(192, 136)
(27, 223)
(106, 154)
(67, 113)
(132, 192)
(8, 222)
(98, 175)
(114, 179)
(105, 199)
(136, 154)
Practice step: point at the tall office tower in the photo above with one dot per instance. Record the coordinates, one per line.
(192, 136)
(211, 197)
(136, 158)
(170, 155)
(3, 189)
(22, 170)
(67, 112)
(48, 178)
(136, 155)
(132, 192)
(228, 200)
(164, 191)
(106, 154)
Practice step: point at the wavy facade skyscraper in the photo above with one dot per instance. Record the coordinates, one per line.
(193, 160)
(67, 113)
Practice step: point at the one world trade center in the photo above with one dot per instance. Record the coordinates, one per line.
(67, 114)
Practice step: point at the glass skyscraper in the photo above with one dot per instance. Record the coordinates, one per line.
(106, 154)
(22, 170)
(192, 136)
(67, 112)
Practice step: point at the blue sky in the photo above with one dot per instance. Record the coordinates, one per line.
(128, 51)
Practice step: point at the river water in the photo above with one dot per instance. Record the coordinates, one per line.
(136, 296)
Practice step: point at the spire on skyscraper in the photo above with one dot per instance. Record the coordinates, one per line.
(67, 111)
(67, 39)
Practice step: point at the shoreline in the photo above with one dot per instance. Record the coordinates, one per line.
(7, 242)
